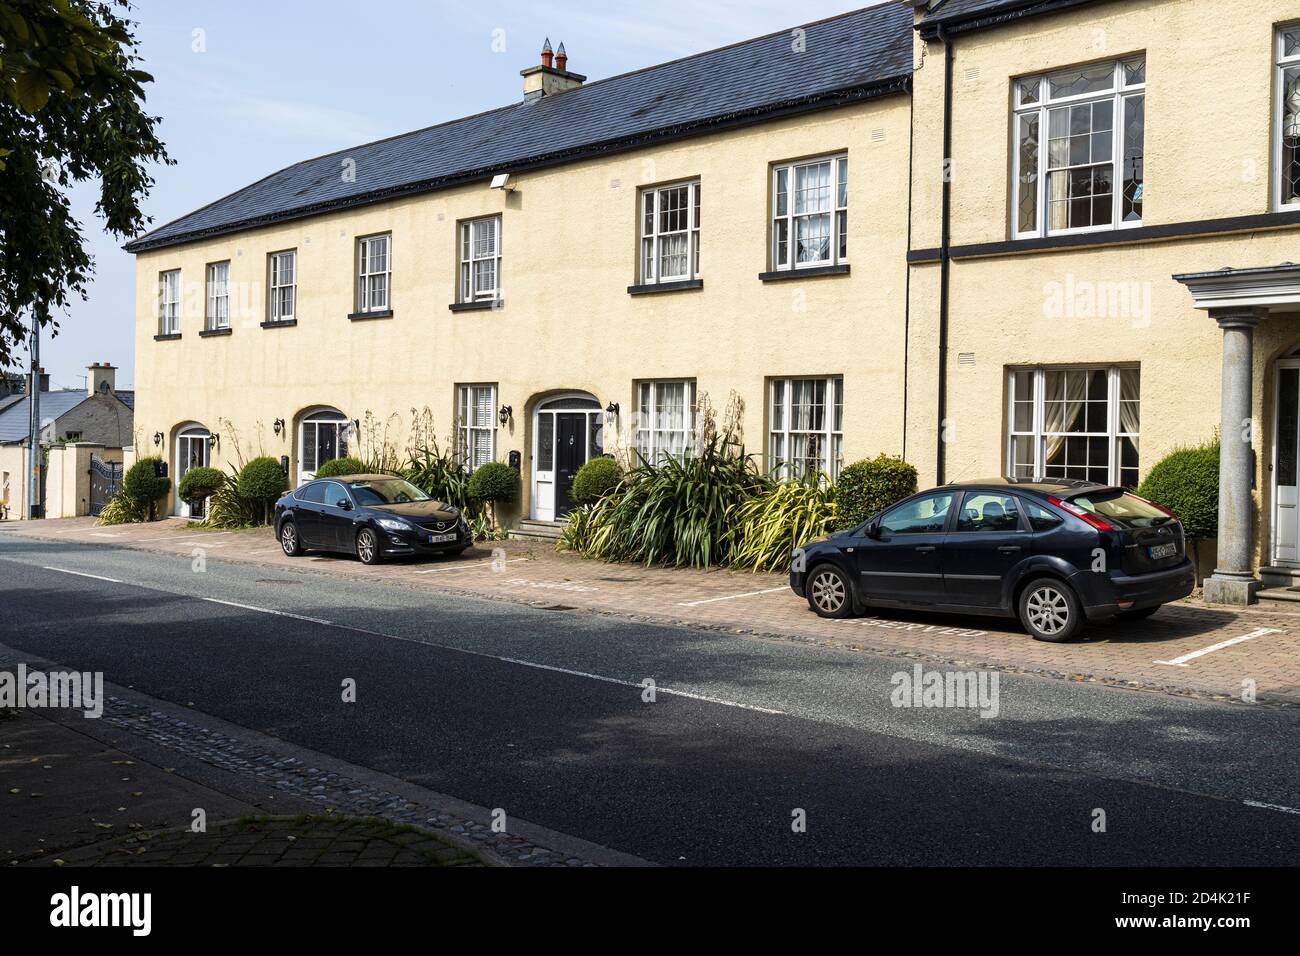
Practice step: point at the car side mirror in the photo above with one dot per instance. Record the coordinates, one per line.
(344, 504)
(873, 530)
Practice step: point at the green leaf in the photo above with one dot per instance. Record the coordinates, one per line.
(31, 92)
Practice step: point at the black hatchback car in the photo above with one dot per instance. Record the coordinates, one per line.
(371, 516)
(1052, 553)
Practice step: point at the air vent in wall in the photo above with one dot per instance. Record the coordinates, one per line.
(966, 359)
(877, 135)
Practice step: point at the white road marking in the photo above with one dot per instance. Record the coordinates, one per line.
(1182, 661)
(1271, 806)
(265, 551)
(731, 597)
(185, 537)
(267, 610)
(465, 566)
(83, 574)
(104, 534)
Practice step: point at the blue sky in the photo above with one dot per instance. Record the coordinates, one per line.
(265, 84)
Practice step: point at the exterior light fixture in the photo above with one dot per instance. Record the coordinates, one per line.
(612, 409)
(502, 181)
(157, 438)
(505, 414)
(278, 425)
(214, 440)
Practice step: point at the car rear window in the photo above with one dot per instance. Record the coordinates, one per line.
(1122, 509)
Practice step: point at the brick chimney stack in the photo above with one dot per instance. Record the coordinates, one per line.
(551, 76)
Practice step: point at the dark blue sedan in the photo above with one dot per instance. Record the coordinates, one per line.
(1055, 554)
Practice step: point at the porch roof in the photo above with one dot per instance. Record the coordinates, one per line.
(1267, 287)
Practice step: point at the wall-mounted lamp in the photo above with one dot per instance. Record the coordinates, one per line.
(157, 438)
(278, 425)
(502, 181)
(505, 414)
(214, 440)
(612, 409)
(356, 426)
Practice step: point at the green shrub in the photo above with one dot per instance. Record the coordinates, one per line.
(594, 480)
(122, 509)
(764, 531)
(198, 483)
(230, 510)
(142, 485)
(494, 483)
(1186, 481)
(441, 475)
(673, 512)
(866, 487)
(261, 481)
(342, 466)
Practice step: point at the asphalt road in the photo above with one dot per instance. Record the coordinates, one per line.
(541, 713)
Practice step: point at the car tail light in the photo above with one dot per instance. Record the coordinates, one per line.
(1078, 512)
(1126, 603)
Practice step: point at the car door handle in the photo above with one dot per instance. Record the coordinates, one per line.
(925, 547)
(1009, 547)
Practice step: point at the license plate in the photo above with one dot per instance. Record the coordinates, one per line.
(1163, 551)
(440, 538)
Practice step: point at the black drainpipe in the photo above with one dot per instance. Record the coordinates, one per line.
(944, 239)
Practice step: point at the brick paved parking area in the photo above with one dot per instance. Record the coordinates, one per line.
(276, 841)
(1187, 648)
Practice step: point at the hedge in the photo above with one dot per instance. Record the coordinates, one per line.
(261, 481)
(1186, 481)
(494, 483)
(142, 485)
(341, 466)
(199, 483)
(866, 487)
(595, 480)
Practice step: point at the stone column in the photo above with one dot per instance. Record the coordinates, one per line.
(1234, 581)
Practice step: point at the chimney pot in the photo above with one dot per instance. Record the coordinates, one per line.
(561, 58)
(547, 55)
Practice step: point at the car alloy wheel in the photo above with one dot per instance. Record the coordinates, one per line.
(828, 592)
(367, 547)
(289, 539)
(1050, 611)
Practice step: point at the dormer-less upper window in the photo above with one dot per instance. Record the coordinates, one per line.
(1287, 132)
(1077, 162)
(374, 273)
(810, 213)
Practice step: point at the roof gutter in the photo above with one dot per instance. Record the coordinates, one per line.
(821, 101)
(931, 29)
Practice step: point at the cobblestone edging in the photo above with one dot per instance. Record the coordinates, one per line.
(293, 776)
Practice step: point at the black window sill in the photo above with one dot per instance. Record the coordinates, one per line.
(840, 270)
(169, 337)
(212, 333)
(363, 316)
(652, 287)
(280, 324)
(485, 305)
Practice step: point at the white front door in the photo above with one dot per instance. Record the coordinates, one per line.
(191, 452)
(567, 431)
(1286, 451)
(321, 438)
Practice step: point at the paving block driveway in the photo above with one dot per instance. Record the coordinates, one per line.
(1187, 648)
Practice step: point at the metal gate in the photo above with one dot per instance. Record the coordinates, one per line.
(105, 478)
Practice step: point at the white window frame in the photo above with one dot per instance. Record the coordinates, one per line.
(652, 440)
(780, 420)
(282, 285)
(471, 254)
(651, 213)
(218, 289)
(370, 280)
(1118, 94)
(1114, 433)
(169, 302)
(1282, 63)
(468, 425)
(784, 219)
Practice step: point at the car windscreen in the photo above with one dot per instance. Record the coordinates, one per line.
(386, 491)
(1122, 509)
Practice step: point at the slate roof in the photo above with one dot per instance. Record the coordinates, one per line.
(959, 15)
(852, 56)
(13, 420)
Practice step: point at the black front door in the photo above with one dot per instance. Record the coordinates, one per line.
(570, 455)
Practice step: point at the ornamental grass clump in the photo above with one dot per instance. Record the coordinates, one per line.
(765, 530)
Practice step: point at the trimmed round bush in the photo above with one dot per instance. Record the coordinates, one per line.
(198, 484)
(494, 483)
(142, 485)
(595, 480)
(341, 466)
(261, 481)
(1186, 481)
(866, 487)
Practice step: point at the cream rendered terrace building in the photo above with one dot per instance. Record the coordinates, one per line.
(1043, 238)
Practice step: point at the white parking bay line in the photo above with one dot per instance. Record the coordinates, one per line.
(1182, 661)
(732, 597)
(83, 574)
(1271, 806)
(466, 566)
(268, 610)
(186, 537)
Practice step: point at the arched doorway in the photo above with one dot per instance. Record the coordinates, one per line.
(193, 444)
(323, 435)
(567, 431)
